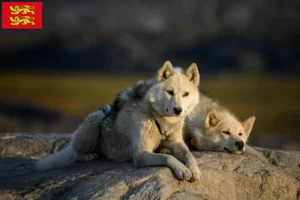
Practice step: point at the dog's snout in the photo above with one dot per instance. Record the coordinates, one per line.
(177, 110)
(239, 145)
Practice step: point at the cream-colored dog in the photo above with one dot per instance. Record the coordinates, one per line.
(210, 126)
(140, 126)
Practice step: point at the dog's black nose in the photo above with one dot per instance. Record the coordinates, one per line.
(239, 145)
(177, 110)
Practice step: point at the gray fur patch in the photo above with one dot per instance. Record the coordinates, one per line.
(95, 117)
(133, 94)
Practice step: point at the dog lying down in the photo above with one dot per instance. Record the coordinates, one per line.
(133, 130)
(165, 113)
(210, 126)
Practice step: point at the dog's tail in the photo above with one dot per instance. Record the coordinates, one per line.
(250, 150)
(83, 140)
(64, 157)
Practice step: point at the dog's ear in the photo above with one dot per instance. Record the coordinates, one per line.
(165, 71)
(193, 74)
(248, 125)
(212, 118)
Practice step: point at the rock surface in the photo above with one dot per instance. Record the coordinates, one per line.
(224, 176)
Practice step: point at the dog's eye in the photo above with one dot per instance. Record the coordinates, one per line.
(226, 132)
(170, 92)
(185, 94)
(240, 134)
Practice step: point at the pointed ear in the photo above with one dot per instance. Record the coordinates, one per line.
(212, 118)
(165, 71)
(193, 74)
(248, 125)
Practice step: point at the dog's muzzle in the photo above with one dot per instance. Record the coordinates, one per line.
(239, 145)
(233, 152)
(177, 110)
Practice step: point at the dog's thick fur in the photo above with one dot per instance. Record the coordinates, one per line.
(210, 126)
(133, 129)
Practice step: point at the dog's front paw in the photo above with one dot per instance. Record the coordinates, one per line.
(183, 172)
(195, 171)
(87, 157)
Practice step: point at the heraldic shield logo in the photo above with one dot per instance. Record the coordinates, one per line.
(21, 15)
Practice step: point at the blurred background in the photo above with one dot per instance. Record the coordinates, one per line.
(247, 51)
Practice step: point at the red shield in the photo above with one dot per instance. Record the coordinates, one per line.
(21, 15)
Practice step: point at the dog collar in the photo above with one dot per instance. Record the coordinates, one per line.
(158, 127)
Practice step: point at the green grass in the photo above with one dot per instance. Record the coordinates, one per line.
(273, 101)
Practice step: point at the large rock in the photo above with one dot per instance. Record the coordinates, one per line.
(224, 176)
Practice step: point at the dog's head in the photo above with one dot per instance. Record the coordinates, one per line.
(226, 133)
(175, 93)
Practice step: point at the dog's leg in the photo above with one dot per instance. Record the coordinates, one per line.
(87, 157)
(143, 152)
(182, 153)
(166, 151)
(85, 139)
(82, 141)
(144, 159)
(250, 150)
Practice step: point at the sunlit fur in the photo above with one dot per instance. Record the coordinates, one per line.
(136, 125)
(164, 103)
(205, 125)
(211, 126)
